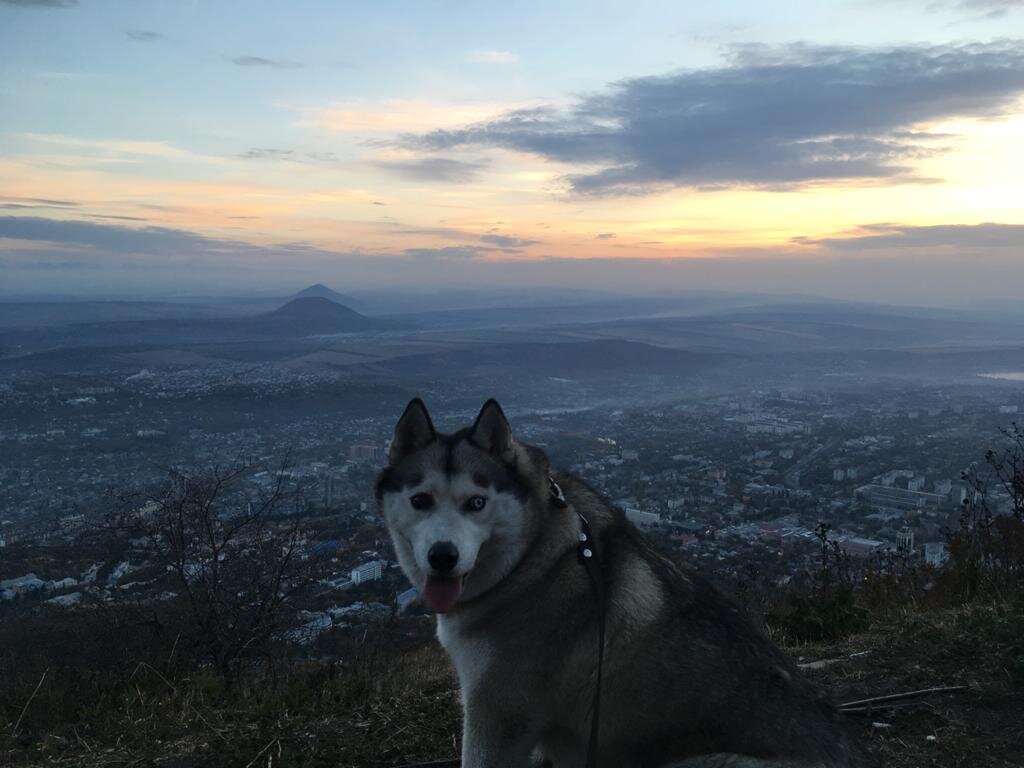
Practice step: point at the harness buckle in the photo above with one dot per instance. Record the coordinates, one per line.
(557, 496)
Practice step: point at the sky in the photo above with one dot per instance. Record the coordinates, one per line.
(860, 149)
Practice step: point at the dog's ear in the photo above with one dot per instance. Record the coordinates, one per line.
(491, 430)
(413, 431)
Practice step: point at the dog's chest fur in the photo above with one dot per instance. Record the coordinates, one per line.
(470, 655)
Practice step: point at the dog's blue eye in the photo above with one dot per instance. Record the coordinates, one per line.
(475, 503)
(421, 501)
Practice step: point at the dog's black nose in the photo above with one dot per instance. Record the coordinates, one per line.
(443, 556)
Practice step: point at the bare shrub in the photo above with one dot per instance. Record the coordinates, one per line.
(987, 548)
(238, 555)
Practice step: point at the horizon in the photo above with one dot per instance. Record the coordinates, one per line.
(806, 150)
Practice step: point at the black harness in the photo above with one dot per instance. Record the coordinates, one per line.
(587, 553)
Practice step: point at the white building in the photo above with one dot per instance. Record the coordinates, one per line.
(23, 584)
(641, 518)
(404, 599)
(370, 571)
(935, 553)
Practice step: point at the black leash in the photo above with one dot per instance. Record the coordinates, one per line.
(587, 552)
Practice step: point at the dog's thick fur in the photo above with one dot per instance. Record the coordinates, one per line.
(688, 681)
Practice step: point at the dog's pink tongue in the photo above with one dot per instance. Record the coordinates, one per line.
(440, 593)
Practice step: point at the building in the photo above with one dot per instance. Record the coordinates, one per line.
(60, 585)
(370, 571)
(856, 546)
(331, 489)
(71, 524)
(899, 498)
(366, 453)
(905, 541)
(23, 584)
(935, 553)
(777, 427)
(642, 519)
(404, 599)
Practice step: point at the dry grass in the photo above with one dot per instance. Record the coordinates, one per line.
(401, 707)
(981, 648)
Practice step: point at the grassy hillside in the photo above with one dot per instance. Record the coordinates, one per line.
(398, 705)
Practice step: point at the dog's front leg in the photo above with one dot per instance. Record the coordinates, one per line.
(496, 739)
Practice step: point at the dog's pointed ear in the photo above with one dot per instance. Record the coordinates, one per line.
(413, 431)
(491, 430)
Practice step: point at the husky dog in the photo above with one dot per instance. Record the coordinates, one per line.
(491, 538)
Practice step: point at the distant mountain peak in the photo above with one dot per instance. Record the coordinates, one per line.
(321, 291)
(317, 315)
(322, 304)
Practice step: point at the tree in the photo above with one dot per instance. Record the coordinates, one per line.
(237, 553)
(987, 549)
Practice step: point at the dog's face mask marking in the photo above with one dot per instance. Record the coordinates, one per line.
(454, 505)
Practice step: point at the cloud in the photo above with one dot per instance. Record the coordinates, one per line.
(876, 262)
(492, 57)
(605, 236)
(507, 242)
(990, 5)
(980, 9)
(259, 61)
(41, 3)
(771, 118)
(109, 244)
(117, 148)
(900, 237)
(151, 241)
(461, 252)
(288, 155)
(492, 241)
(28, 243)
(392, 116)
(488, 244)
(143, 36)
(25, 203)
(434, 169)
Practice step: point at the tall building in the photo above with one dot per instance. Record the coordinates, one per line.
(905, 541)
(330, 489)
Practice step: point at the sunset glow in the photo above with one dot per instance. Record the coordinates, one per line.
(442, 139)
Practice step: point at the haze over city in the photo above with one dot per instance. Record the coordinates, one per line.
(865, 150)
